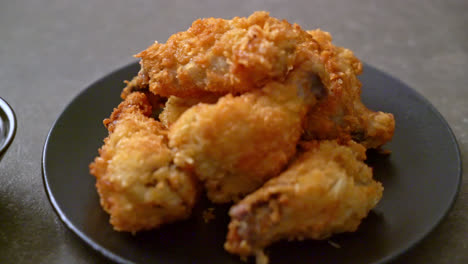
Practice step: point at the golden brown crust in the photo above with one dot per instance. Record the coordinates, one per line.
(222, 56)
(176, 106)
(342, 114)
(134, 85)
(236, 56)
(238, 143)
(327, 190)
(138, 184)
(157, 102)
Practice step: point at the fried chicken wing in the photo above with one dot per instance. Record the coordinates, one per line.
(138, 184)
(235, 145)
(217, 56)
(342, 114)
(222, 56)
(327, 190)
(234, 99)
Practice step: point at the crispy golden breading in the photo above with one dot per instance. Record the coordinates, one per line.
(157, 102)
(234, 56)
(222, 56)
(137, 182)
(342, 114)
(134, 85)
(176, 106)
(328, 189)
(237, 144)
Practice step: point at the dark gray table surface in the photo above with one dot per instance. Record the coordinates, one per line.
(51, 50)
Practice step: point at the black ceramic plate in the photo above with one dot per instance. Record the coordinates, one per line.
(421, 179)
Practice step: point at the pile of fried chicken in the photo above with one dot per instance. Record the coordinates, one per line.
(254, 111)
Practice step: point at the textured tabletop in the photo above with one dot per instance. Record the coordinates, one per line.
(52, 50)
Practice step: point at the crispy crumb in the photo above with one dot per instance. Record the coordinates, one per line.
(135, 179)
(208, 215)
(223, 56)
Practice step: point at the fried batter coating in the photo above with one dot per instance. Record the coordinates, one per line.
(138, 184)
(134, 85)
(222, 56)
(217, 56)
(157, 102)
(342, 114)
(237, 144)
(328, 189)
(176, 106)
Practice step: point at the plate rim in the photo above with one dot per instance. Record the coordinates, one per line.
(12, 122)
(62, 216)
(118, 259)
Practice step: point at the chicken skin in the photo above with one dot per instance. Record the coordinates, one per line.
(341, 114)
(238, 143)
(222, 56)
(138, 184)
(326, 190)
(216, 56)
(176, 106)
(134, 85)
